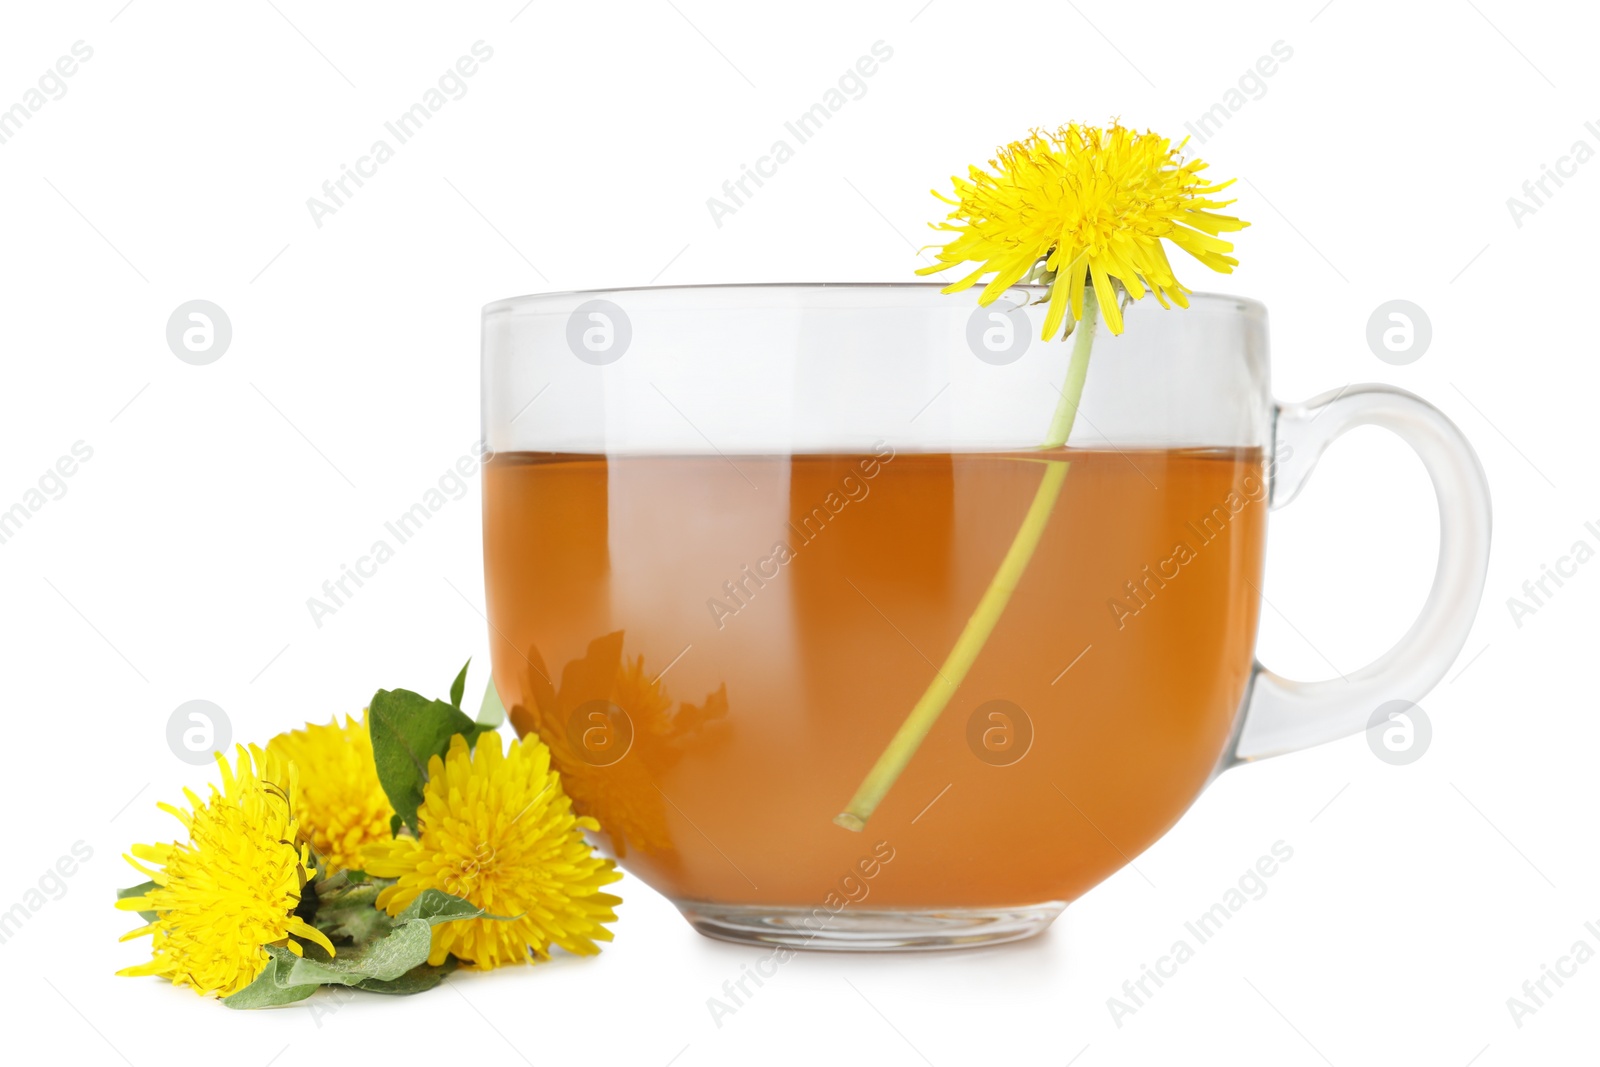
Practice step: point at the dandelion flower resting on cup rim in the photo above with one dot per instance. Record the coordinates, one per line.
(233, 888)
(1085, 205)
(498, 831)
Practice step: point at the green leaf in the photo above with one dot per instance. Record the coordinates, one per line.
(395, 822)
(491, 713)
(350, 910)
(407, 730)
(389, 962)
(387, 958)
(269, 990)
(392, 958)
(435, 906)
(138, 891)
(353, 915)
(459, 686)
(417, 980)
(356, 925)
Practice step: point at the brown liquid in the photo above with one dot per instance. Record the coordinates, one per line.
(601, 573)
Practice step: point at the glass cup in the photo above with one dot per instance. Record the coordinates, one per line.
(735, 535)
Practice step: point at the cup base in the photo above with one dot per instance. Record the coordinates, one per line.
(869, 930)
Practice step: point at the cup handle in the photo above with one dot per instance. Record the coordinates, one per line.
(1282, 715)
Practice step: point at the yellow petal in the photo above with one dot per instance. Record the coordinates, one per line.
(1106, 296)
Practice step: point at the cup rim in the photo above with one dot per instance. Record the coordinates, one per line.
(526, 300)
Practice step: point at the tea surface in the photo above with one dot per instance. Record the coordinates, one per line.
(717, 649)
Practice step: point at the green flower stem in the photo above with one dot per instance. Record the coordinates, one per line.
(1077, 371)
(986, 616)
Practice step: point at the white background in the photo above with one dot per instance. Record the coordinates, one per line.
(177, 565)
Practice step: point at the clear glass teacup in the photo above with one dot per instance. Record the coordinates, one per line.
(732, 533)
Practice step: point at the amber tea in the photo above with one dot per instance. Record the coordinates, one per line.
(716, 650)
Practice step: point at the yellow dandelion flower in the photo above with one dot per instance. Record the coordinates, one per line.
(233, 888)
(340, 803)
(498, 831)
(1086, 203)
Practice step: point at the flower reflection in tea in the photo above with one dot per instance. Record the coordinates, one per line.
(612, 730)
